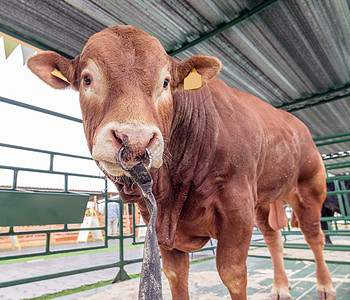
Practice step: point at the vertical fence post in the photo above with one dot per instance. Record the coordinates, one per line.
(122, 275)
(133, 224)
(106, 213)
(51, 161)
(15, 176)
(48, 237)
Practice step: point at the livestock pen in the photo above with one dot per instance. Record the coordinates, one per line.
(292, 54)
(338, 225)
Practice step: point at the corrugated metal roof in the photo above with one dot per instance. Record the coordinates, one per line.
(287, 51)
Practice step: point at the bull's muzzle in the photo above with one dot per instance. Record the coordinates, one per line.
(133, 142)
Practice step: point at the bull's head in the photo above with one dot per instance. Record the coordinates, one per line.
(126, 83)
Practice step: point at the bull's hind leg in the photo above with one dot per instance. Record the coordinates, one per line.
(307, 207)
(280, 290)
(176, 266)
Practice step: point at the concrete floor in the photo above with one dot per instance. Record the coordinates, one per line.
(204, 280)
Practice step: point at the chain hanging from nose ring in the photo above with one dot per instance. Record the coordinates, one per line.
(150, 287)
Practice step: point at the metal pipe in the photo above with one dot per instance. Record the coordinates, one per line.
(333, 142)
(12, 257)
(50, 172)
(334, 136)
(39, 109)
(319, 103)
(302, 259)
(245, 14)
(316, 96)
(44, 151)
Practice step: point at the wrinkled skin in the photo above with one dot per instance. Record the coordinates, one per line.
(221, 157)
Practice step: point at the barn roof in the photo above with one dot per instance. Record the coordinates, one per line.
(292, 54)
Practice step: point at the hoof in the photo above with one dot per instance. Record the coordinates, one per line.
(324, 293)
(280, 294)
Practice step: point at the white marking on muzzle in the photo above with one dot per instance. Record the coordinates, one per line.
(105, 147)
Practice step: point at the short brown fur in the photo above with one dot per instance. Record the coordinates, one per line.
(229, 158)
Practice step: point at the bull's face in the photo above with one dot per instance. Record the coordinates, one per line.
(126, 83)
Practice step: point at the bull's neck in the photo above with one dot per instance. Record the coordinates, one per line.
(187, 158)
(193, 131)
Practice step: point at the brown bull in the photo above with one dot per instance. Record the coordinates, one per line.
(220, 156)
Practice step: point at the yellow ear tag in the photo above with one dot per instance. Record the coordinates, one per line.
(193, 80)
(59, 75)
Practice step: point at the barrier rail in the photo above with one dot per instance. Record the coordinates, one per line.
(121, 263)
(60, 194)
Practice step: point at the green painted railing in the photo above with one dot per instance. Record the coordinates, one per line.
(56, 215)
(122, 262)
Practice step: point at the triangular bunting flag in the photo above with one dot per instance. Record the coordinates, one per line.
(10, 45)
(27, 52)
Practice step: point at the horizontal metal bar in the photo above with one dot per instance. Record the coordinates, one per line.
(319, 103)
(331, 193)
(316, 96)
(333, 142)
(337, 164)
(68, 273)
(342, 166)
(44, 151)
(336, 219)
(340, 178)
(245, 14)
(334, 136)
(39, 109)
(44, 253)
(337, 232)
(301, 259)
(140, 226)
(50, 191)
(58, 275)
(50, 172)
(29, 232)
(305, 246)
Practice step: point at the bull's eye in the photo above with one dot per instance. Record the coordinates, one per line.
(166, 82)
(87, 80)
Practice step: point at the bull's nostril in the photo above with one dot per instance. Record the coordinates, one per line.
(152, 141)
(117, 139)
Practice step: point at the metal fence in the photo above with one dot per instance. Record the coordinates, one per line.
(337, 224)
(62, 196)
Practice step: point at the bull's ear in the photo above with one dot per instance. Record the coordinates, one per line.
(44, 63)
(206, 66)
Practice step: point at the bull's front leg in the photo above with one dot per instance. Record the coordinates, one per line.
(235, 231)
(176, 266)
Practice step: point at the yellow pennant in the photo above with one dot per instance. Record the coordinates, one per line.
(193, 80)
(59, 75)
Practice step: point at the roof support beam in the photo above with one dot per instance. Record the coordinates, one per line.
(245, 14)
(323, 98)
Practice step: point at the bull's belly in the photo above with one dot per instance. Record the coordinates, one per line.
(193, 236)
(190, 243)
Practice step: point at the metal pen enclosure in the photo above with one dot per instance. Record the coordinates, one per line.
(292, 54)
